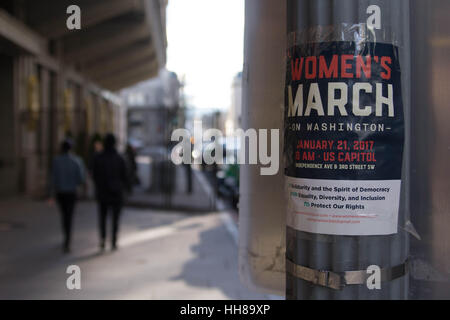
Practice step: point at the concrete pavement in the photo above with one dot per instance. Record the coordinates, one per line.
(201, 198)
(162, 255)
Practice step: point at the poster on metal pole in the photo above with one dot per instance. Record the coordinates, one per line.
(344, 136)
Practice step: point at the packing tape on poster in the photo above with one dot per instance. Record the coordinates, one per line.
(344, 131)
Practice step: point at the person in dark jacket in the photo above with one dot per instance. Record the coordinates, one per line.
(130, 160)
(67, 175)
(110, 178)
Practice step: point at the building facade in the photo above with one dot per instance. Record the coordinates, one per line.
(56, 82)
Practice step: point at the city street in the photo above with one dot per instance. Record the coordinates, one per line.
(162, 255)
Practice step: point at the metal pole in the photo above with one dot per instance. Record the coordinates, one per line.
(341, 253)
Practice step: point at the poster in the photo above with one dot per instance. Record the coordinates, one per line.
(344, 136)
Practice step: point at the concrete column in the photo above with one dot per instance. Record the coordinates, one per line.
(44, 131)
(262, 203)
(78, 111)
(8, 160)
(29, 135)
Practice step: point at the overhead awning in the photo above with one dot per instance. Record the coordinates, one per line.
(121, 42)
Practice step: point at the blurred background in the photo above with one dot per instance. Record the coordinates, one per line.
(138, 69)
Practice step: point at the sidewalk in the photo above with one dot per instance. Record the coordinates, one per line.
(199, 200)
(162, 255)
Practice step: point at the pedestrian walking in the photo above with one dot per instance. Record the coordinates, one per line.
(67, 175)
(131, 165)
(110, 178)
